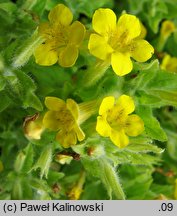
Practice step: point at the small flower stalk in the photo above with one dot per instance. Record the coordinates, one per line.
(62, 38)
(27, 50)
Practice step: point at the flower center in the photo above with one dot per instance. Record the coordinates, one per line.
(119, 41)
(116, 118)
(58, 36)
(65, 119)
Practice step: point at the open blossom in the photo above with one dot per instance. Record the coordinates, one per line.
(63, 117)
(118, 41)
(62, 39)
(115, 122)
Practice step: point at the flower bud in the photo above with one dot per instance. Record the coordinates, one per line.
(63, 159)
(33, 127)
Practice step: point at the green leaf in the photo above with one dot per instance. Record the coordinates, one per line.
(87, 8)
(21, 87)
(17, 191)
(172, 144)
(163, 80)
(143, 148)
(159, 189)
(152, 126)
(26, 50)
(138, 182)
(134, 158)
(136, 6)
(44, 161)
(29, 158)
(160, 90)
(149, 99)
(36, 6)
(9, 7)
(168, 97)
(101, 169)
(54, 177)
(99, 191)
(5, 101)
(156, 11)
(146, 72)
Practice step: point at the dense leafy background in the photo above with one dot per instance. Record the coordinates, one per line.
(146, 168)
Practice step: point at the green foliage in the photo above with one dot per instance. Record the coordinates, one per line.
(30, 167)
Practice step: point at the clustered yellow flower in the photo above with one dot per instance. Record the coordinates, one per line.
(63, 117)
(62, 39)
(169, 63)
(116, 42)
(115, 122)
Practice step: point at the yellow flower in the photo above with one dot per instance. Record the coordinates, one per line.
(169, 63)
(63, 117)
(117, 42)
(167, 28)
(62, 39)
(115, 122)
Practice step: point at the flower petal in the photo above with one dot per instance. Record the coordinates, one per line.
(121, 63)
(143, 32)
(80, 134)
(76, 33)
(106, 104)
(66, 139)
(44, 29)
(45, 54)
(54, 103)
(104, 21)
(68, 56)
(119, 138)
(73, 108)
(61, 14)
(127, 103)
(99, 47)
(141, 50)
(50, 121)
(134, 125)
(128, 27)
(102, 127)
